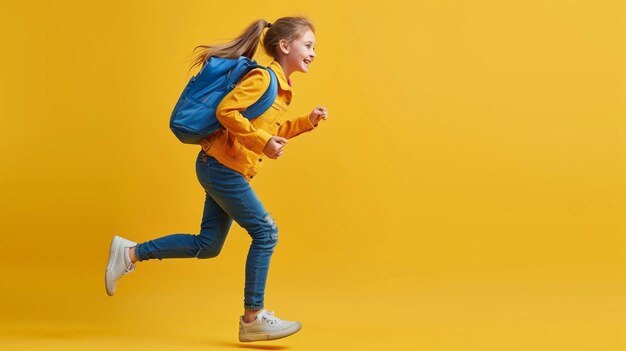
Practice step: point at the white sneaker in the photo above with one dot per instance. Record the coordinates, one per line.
(119, 262)
(266, 326)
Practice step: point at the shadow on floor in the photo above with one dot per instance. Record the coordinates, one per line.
(254, 346)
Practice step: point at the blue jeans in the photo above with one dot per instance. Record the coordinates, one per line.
(228, 196)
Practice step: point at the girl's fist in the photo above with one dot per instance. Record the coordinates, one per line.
(274, 147)
(318, 114)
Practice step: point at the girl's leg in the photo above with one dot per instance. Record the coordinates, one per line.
(213, 229)
(124, 253)
(213, 232)
(235, 195)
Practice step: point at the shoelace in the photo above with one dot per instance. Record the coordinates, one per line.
(270, 317)
(130, 268)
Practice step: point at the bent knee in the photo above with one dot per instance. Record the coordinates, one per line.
(269, 234)
(207, 248)
(209, 252)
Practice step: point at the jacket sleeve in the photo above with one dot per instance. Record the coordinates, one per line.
(250, 89)
(296, 126)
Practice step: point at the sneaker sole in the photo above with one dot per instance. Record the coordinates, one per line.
(270, 336)
(113, 249)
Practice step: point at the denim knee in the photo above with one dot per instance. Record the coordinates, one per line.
(267, 234)
(207, 248)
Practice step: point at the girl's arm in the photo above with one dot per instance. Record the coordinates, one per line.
(297, 126)
(294, 127)
(252, 86)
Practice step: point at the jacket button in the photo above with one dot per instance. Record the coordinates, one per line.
(260, 160)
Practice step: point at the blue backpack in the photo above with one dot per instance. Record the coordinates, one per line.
(194, 116)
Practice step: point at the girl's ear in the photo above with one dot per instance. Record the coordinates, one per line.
(284, 46)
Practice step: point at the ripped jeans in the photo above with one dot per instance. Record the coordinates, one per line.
(228, 196)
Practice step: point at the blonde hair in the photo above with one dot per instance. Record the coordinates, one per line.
(288, 28)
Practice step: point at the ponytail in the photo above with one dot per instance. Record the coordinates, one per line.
(288, 28)
(244, 45)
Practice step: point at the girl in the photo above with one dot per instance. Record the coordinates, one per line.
(227, 162)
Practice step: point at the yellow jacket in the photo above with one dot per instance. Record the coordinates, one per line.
(239, 145)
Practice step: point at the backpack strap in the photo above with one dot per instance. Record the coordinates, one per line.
(266, 100)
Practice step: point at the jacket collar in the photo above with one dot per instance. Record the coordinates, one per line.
(282, 81)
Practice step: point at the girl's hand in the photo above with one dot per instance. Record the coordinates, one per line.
(318, 114)
(274, 147)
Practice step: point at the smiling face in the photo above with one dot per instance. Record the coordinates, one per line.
(299, 53)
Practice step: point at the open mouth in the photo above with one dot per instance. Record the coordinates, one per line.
(307, 61)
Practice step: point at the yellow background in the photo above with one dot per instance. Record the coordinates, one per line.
(467, 192)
